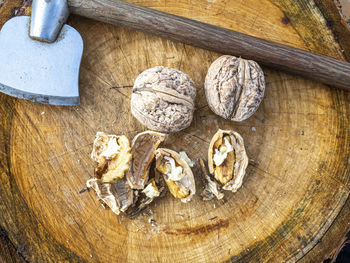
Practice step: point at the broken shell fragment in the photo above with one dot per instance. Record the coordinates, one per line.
(154, 189)
(227, 159)
(177, 174)
(212, 188)
(185, 157)
(117, 196)
(112, 154)
(143, 149)
(125, 194)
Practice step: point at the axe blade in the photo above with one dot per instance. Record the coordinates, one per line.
(37, 71)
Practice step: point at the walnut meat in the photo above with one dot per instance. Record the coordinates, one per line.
(227, 159)
(177, 174)
(163, 99)
(234, 87)
(112, 154)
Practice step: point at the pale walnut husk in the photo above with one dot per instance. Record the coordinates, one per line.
(117, 196)
(112, 154)
(212, 188)
(234, 87)
(232, 170)
(183, 188)
(143, 148)
(163, 99)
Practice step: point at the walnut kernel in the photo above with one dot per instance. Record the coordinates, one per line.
(112, 154)
(177, 174)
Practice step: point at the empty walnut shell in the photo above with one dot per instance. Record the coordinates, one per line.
(112, 154)
(234, 87)
(143, 148)
(163, 99)
(183, 187)
(227, 159)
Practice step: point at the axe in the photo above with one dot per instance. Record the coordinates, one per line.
(43, 65)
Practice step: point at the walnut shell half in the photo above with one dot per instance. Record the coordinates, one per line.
(143, 148)
(112, 154)
(234, 87)
(177, 174)
(163, 99)
(227, 159)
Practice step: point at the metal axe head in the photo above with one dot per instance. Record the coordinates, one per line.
(31, 67)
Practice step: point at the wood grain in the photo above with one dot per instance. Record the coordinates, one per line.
(324, 69)
(297, 180)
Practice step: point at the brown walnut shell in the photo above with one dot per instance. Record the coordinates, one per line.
(231, 171)
(163, 99)
(212, 188)
(112, 163)
(234, 87)
(184, 188)
(141, 200)
(143, 148)
(117, 196)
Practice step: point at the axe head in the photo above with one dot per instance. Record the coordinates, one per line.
(38, 71)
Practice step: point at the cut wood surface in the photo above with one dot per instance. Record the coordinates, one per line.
(293, 203)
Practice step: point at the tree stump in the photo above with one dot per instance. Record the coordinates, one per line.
(294, 196)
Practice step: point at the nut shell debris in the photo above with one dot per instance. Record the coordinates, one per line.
(212, 188)
(117, 196)
(145, 197)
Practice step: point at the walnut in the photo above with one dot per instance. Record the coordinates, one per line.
(227, 159)
(112, 154)
(163, 99)
(177, 174)
(234, 87)
(143, 149)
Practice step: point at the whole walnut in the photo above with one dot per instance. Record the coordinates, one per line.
(163, 99)
(234, 87)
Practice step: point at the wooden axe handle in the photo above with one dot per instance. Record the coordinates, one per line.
(321, 68)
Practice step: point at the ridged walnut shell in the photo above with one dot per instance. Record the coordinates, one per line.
(184, 188)
(232, 171)
(163, 99)
(234, 87)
